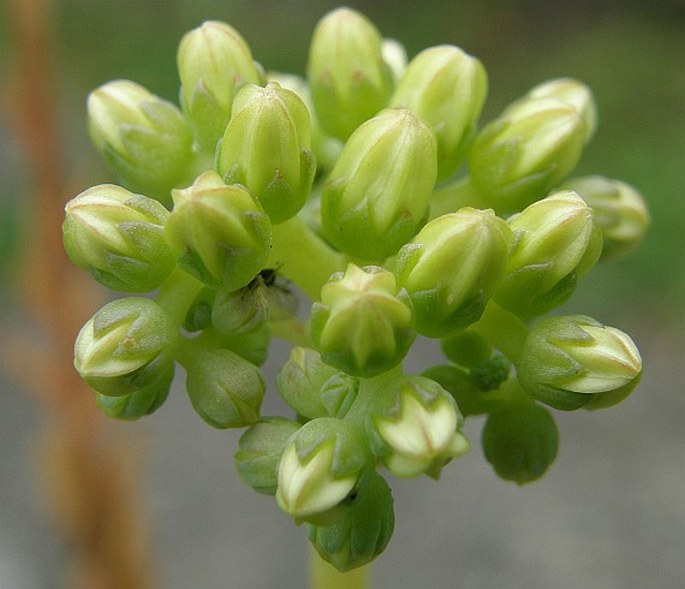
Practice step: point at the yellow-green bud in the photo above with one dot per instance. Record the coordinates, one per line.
(377, 195)
(319, 467)
(119, 237)
(395, 55)
(213, 62)
(259, 452)
(220, 233)
(362, 528)
(555, 242)
(363, 323)
(451, 268)
(520, 441)
(619, 211)
(573, 361)
(224, 389)
(517, 158)
(350, 81)
(126, 347)
(266, 148)
(446, 88)
(145, 139)
(573, 93)
(415, 428)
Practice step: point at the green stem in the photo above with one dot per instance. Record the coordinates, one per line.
(177, 293)
(324, 576)
(452, 197)
(303, 256)
(502, 329)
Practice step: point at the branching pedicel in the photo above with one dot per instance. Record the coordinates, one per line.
(351, 184)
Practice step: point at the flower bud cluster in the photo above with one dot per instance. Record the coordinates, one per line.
(372, 186)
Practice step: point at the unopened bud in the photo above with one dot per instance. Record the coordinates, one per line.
(362, 528)
(220, 233)
(520, 441)
(126, 347)
(363, 323)
(555, 242)
(319, 467)
(417, 428)
(259, 452)
(213, 62)
(517, 158)
(573, 361)
(446, 88)
(377, 195)
(451, 268)
(224, 389)
(119, 237)
(266, 148)
(349, 79)
(145, 139)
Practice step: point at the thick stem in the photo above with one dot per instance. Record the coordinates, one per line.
(303, 256)
(452, 197)
(324, 576)
(502, 329)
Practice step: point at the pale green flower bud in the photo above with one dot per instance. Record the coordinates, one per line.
(517, 158)
(220, 233)
(363, 323)
(142, 402)
(213, 62)
(350, 81)
(320, 467)
(619, 211)
(145, 139)
(520, 441)
(363, 527)
(415, 428)
(259, 452)
(573, 93)
(266, 148)
(573, 361)
(446, 88)
(451, 268)
(119, 237)
(300, 382)
(126, 347)
(224, 389)
(555, 242)
(377, 195)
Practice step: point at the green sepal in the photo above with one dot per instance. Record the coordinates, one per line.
(142, 402)
(199, 315)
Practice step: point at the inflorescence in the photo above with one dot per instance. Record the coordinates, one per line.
(370, 186)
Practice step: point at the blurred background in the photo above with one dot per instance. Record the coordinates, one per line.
(611, 511)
